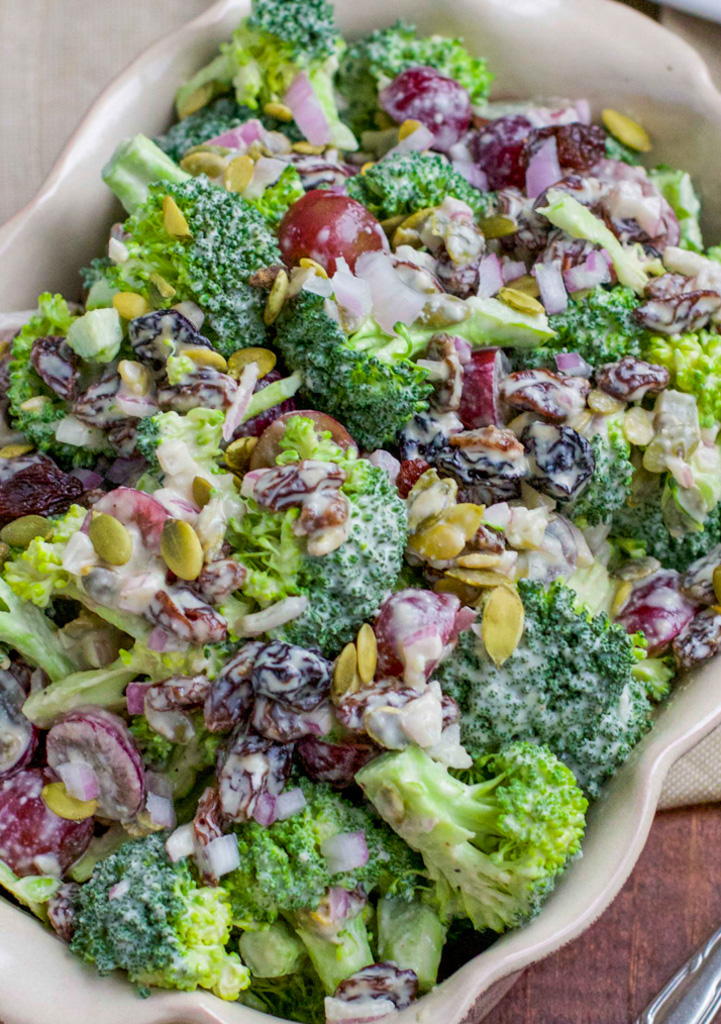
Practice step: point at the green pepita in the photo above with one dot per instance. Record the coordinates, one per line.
(626, 130)
(181, 549)
(276, 298)
(498, 226)
(202, 491)
(20, 532)
(238, 361)
(12, 451)
(502, 625)
(203, 162)
(111, 540)
(238, 453)
(520, 301)
(56, 797)
(239, 174)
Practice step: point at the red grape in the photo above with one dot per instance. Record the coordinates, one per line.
(658, 609)
(480, 404)
(440, 103)
(326, 226)
(413, 620)
(498, 149)
(18, 736)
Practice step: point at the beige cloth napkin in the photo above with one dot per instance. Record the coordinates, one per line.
(56, 55)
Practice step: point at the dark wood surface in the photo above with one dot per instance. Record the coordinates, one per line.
(670, 904)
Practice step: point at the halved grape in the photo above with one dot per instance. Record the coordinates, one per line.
(325, 226)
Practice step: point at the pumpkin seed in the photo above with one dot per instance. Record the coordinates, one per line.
(479, 577)
(198, 99)
(466, 517)
(265, 359)
(407, 128)
(11, 451)
(621, 596)
(627, 131)
(307, 148)
(135, 376)
(345, 673)
(602, 403)
(717, 583)
(638, 426)
(446, 585)
(279, 111)
(239, 174)
(203, 356)
(502, 623)
(174, 220)
(367, 166)
(202, 491)
(439, 542)
(528, 285)
(238, 453)
(479, 560)
(58, 800)
(306, 261)
(210, 164)
(429, 498)
(390, 224)
(131, 305)
(520, 301)
(181, 549)
(20, 532)
(111, 540)
(367, 653)
(276, 298)
(498, 226)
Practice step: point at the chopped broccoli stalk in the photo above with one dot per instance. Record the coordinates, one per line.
(229, 240)
(656, 674)
(677, 187)
(694, 362)
(39, 423)
(411, 935)
(282, 869)
(335, 957)
(211, 81)
(643, 526)
(372, 62)
(499, 841)
(96, 336)
(32, 892)
(610, 486)
(134, 166)
(28, 630)
(594, 588)
(567, 213)
(274, 394)
(160, 926)
(277, 198)
(616, 150)
(568, 685)
(100, 847)
(401, 185)
(272, 951)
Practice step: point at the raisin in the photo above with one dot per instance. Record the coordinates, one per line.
(561, 460)
(37, 488)
(410, 473)
(580, 146)
(56, 365)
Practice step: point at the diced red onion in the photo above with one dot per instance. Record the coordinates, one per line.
(79, 552)
(117, 891)
(181, 843)
(264, 812)
(393, 300)
(465, 617)
(592, 272)
(551, 287)
(418, 140)
(275, 615)
(352, 293)
(472, 173)
(308, 111)
(234, 414)
(222, 855)
(173, 725)
(490, 276)
(289, 803)
(338, 904)
(384, 460)
(543, 168)
(583, 109)
(345, 852)
(87, 477)
(135, 695)
(80, 779)
(572, 364)
(512, 269)
(179, 508)
(267, 171)
(318, 285)
(158, 640)
(161, 810)
(123, 469)
(463, 348)
(240, 137)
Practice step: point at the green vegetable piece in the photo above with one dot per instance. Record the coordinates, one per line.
(411, 935)
(134, 166)
(272, 951)
(33, 892)
(96, 336)
(677, 187)
(27, 630)
(567, 213)
(338, 956)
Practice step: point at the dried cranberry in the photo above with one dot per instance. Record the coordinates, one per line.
(410, 473)
(56, 365)
(497, 148)
(37, 488)
(580, 146)
(561, 460)
(440, 103)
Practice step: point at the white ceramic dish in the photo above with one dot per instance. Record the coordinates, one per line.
(592, 48)
(703, 8)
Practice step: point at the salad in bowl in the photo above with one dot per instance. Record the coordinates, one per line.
(357, 512)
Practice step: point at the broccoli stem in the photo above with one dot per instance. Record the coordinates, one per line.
(275, 393)
(338, 957)
(134, 166)
(411, 935)
(103, 687)
(29, 631)
(272, 951)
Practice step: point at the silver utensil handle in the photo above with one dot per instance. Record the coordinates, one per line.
(693, 995)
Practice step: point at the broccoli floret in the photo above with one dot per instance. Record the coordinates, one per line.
(39, 422)
(372, 62)
(643, 528)
(677, 187)
(218, 117)
(134, 166)
(229, 240)
(158, 924)
(277, 198)
(155, 749)
(568, 685)
(610, 485)
(282, 867)
(499, 840)
(694, 362)
(279, 40)
(345, 586)
(600, 327)
(400, 185)
(656, 674)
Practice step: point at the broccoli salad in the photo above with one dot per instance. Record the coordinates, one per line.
(357, 512)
